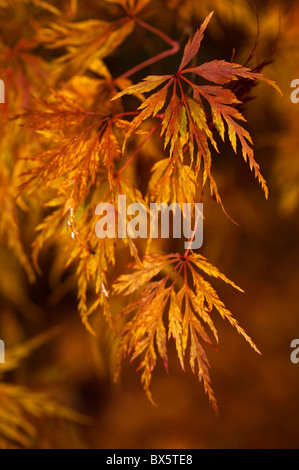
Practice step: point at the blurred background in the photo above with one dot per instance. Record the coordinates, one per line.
(257, 395)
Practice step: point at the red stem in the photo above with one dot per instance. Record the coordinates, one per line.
(156, 31)
(186, 80)
(174, 49)
(128, 113)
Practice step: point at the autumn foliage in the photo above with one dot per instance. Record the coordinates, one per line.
(74, 126)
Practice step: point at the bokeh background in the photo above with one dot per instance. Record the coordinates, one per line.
(257, 395)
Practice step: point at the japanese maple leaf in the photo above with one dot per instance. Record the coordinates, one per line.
(81, 141)
(185, 122)
(189, 313)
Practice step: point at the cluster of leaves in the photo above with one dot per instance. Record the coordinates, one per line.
(81, 147)
(189, 309)
(185, 122)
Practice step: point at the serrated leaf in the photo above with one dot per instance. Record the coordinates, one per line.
(193, 45)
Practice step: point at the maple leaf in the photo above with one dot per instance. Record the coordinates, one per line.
(145, 335)
(81, 141)
(185, 121)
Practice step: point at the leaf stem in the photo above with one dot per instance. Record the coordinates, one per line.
(158, 32)
(174, 49)
(186, 80)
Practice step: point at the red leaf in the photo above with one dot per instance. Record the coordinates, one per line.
(193, 45)
(221, 72)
